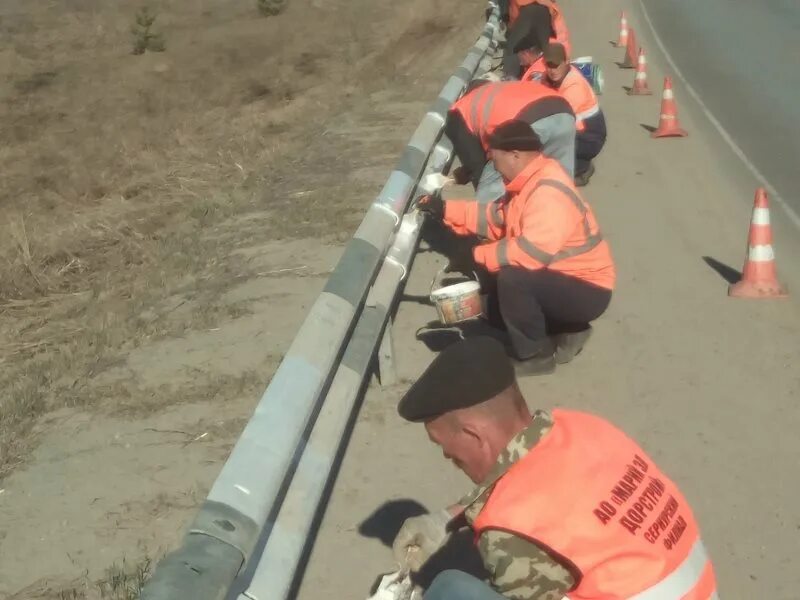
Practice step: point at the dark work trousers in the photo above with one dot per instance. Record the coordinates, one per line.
(589, 142)
(532, 29)
(534, 304)
(457, 585)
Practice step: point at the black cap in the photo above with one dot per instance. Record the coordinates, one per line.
(514, 135)
(467, 373)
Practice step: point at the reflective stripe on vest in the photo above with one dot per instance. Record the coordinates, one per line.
(493, 215)
(588, 113)
(682, 580)
(536, 253)
(478, 117)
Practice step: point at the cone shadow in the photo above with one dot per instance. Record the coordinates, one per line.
(649, 128)
(728, 273)
(627, 88)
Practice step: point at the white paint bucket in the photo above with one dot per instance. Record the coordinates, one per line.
(458, 302)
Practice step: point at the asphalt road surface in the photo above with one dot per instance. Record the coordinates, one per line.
(743, 58)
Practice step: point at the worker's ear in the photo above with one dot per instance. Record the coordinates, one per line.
(473, 430)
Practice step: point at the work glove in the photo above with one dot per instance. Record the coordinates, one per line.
(460, 260)
(419, 538)
(461, 175)
(432, 205)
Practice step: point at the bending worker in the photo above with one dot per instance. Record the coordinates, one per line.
(531, 25)
(566, 505)
(555, 71)
(546, 268)
(489, 103)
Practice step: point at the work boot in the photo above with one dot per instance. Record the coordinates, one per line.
(583, 179)
(437, 336)
(541, 364)
(569, 345)
(482, 327)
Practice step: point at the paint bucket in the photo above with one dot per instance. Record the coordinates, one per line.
(457, 302)
(593, 73)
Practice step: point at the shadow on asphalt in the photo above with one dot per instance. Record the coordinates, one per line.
(728, 273)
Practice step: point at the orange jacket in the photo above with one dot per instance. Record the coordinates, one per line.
(544, 224)
(574, 88)
(484, 108)
(591, 495)
(559, 23)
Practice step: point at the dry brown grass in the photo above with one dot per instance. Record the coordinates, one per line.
(124, 176)
(123, 581)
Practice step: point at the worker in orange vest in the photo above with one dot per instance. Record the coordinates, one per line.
(545, 267)
(566, 505)
(555, 71)
(531, 25)
(486, 104)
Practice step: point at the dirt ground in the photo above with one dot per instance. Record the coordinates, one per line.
(168, 219)
(171, 216)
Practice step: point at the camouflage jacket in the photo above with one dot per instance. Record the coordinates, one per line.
(519, 569)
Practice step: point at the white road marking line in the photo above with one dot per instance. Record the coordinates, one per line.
(790, 212)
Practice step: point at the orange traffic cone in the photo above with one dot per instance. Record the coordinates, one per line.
(759, 279)
(668, 125)
(630, 51)
(623, 31)
(640, 87)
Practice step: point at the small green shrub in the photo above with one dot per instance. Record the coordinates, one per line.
(144, 38)
(270, 8)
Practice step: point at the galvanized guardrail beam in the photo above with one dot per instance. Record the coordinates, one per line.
(277, 568)
(247, 492)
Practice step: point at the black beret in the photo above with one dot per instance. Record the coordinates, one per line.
(514, 135)
(467, 373)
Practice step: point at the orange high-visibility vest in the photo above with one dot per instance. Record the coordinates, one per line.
(559, 23)
(592, 496)
(545, 224)
(484, 108)
(575, 89)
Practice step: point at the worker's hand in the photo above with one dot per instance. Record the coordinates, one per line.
(461, 175)
(432, 205)
(419, 538)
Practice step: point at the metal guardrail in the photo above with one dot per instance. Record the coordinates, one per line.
(334, 346)
(275, 573)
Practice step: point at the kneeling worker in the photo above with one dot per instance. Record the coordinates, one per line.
(487, 104)
(547, 270)
(531, 25)
(555, 71)
(566, 504)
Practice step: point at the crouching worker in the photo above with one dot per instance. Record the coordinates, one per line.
(555, 72)
(488, 103)
(547, 270)
(565, 505)
(531, 25)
